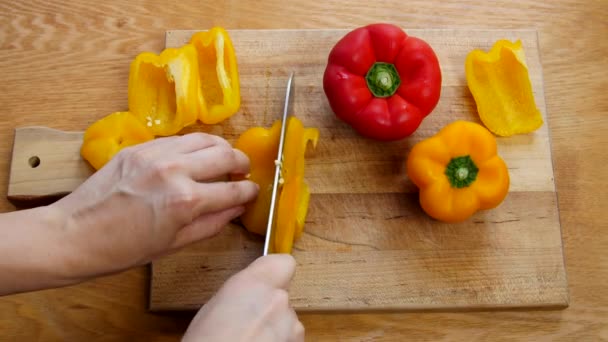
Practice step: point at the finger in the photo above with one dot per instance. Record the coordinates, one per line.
(192, 142)
(275, 270)
(157, 150)
(206, 226)
(298, 332)
(216, 161)
(284, 324)
(154, 144)
(217, 196)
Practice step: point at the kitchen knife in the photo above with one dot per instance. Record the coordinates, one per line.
(287, 109)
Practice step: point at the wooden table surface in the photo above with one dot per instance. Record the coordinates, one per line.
(65, 65)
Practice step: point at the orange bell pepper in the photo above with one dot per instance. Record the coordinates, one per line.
(218, 75)
(261, 146)
(501, 87)
(458, 172)
(164, 89)
(104, 138)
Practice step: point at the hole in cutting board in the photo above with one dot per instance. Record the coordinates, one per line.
(34, 161)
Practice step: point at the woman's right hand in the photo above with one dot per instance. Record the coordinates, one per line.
(253, 305)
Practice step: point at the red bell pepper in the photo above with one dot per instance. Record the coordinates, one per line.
(382, 82)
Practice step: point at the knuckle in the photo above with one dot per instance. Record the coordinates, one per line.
(227, 153)
(219, 140)
(206, 139)
(196, 139)
(135, 158)
(201, 137)
(235, 191)
(165, 169)
(182, 199)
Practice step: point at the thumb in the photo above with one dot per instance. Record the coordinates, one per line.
(276, 270)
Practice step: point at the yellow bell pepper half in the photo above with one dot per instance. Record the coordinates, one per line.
(104, 138)
(261, 146)
(164, 89)
(501, 87)
(218, 75)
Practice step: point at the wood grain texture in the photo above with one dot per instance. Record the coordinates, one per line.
(362, 247)
(45, 163)
(66, 65)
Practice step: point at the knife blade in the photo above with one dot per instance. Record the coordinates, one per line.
(287, 108)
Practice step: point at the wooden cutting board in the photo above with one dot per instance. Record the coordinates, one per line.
(367, 244)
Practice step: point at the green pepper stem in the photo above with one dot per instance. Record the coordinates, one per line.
(383, 79)
(461, 171)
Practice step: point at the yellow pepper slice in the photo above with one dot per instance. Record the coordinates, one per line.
(458, 172)
(104, 138)
(295, 195)
(261, 146)
(164, 89)
(501, 87)
(218, 75)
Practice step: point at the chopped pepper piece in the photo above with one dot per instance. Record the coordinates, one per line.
(261, 146)
(164, 89)
(218, 75)
(104, 138)
(458, 172)
(501, 87)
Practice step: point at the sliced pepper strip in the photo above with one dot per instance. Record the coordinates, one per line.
(295, 195)
(261, 146)
(501, 87)
(458, 172)
(164, 89)
(218, 75)
(104, 138)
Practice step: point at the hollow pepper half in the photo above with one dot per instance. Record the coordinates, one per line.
(261, 146)
(218, 75)
(381, 81)
(501, 87)
(164, 89)
(104, 138)
(458, 172)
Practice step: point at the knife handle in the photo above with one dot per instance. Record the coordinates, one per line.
(45, 165)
